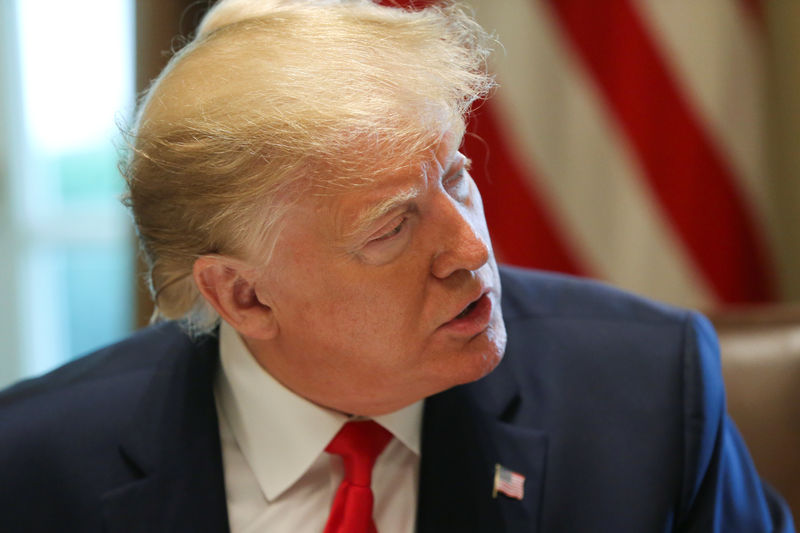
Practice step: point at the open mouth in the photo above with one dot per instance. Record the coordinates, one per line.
(473, 319)
(468, 309)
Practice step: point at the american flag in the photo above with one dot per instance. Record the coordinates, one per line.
(508, 482)
(626, 142)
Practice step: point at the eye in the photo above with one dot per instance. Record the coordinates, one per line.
(454, 180)
(454, 177)
(394, 228)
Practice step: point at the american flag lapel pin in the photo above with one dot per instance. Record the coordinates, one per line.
(508, 482)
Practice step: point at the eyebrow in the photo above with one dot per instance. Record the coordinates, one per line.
(370, 215)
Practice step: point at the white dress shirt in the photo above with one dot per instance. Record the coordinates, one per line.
(278, 478)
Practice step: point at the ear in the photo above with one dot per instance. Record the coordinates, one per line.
(229, 286)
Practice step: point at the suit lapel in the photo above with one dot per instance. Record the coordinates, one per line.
(173, 452)
(466, 432)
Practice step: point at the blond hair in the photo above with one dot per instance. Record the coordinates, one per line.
(271, 97)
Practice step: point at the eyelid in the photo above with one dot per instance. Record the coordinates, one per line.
(459, 165)
(456, 171)
(389, 230)
(372, 215)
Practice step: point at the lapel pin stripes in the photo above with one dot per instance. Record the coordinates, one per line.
(508, 482)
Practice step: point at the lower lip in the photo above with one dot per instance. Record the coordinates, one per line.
(476, 320)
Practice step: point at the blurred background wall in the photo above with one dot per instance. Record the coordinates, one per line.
(648, 143)
(66, 80)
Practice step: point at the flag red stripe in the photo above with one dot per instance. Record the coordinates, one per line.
(693, 183)
(522, 229)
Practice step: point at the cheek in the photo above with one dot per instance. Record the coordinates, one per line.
(376, 322)
(339, 304)
(347, 313)
(376, 308)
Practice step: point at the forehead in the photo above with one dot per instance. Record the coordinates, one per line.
(368, 167)
(360, 204)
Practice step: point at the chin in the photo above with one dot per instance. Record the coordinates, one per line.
(497, 338)
(483, 354)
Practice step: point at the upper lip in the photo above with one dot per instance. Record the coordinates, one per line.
(482, 291)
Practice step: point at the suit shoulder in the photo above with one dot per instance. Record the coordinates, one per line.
(60, 434)
(139, 353)
(531, 293)
(92, 396)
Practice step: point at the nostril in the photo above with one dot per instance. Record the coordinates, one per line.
(466, 255)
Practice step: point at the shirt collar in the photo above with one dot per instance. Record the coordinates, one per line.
(280, 433)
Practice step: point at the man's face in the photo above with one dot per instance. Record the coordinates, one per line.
(386, 293)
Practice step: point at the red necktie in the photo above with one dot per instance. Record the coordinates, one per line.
(359, 444)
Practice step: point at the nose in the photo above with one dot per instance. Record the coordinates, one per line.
(464, 243)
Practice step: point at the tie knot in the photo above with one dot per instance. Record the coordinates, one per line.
(359, 443)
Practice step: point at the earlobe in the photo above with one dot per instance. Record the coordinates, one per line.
(229, 286)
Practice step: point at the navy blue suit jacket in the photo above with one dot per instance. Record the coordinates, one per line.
(612, 407)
